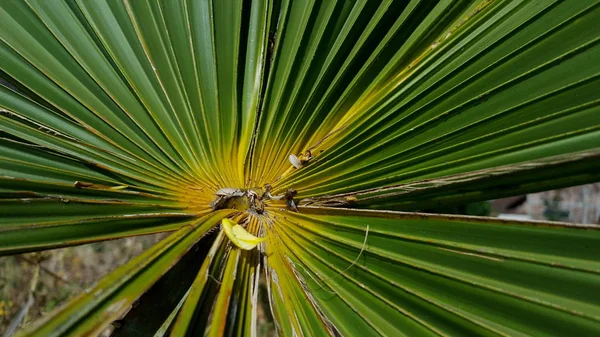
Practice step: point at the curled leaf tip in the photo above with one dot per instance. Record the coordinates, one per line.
(239, 236)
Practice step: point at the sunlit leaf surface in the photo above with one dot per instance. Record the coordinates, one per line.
(284, 120)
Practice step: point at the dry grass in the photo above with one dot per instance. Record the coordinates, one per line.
(63, 274)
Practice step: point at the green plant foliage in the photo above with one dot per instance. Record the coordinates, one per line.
(319, 127)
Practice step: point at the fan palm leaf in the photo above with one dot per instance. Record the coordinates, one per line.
(320, 127)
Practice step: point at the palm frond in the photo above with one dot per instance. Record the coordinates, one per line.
(123, 118)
